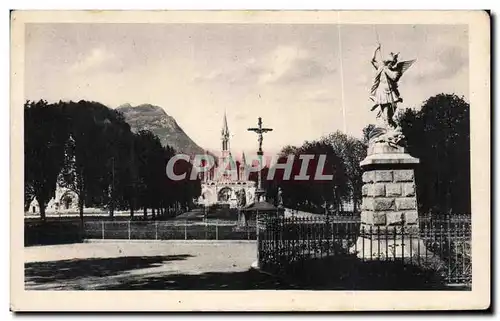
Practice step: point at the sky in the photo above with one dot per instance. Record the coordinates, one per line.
(304, 80)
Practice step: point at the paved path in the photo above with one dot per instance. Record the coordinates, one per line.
(145, 265)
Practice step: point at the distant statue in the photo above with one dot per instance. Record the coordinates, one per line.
(279, 197)
(242, 199)
(385, 95)
(250, 197)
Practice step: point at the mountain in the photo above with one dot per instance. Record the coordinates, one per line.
(156, 120)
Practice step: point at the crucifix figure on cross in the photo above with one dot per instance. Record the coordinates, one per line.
(259, 130)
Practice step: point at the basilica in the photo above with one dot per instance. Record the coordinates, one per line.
(233, 187)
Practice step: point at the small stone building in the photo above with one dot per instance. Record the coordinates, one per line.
(65, 201)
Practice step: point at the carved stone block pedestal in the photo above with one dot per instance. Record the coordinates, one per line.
(389, 217)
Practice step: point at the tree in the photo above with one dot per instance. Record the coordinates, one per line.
(185, 190)
(439, 135)
(131, 179)
(99, 154)
(154, 189)
(118, 145)
(150, 169)
(29, 192)
(312, 194)
(45, 134)
(351, 151)
(167, 197)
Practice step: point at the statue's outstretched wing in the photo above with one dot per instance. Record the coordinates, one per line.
(403, 66)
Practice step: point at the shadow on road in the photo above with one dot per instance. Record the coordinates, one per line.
(67, 270)
(325, 274)
(81, 274)
(247, 280)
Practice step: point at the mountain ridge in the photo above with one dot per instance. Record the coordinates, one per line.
(155, 119)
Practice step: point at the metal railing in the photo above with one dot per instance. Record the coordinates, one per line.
(167, 230)
(441, 244)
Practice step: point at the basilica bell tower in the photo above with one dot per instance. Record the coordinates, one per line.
(225, 139)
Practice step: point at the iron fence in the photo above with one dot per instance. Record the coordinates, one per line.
(449, 238)
(166, 230)
(60, 232)
(441, 245)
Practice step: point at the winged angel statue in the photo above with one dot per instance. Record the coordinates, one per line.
(385, 96)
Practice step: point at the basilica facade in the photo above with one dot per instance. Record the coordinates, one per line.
(229, 185)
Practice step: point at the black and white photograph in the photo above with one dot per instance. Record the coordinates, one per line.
(251, 153)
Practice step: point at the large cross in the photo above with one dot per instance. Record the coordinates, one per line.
(259, 130)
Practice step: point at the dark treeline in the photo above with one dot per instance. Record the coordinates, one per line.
(437, 134)
(89, 148)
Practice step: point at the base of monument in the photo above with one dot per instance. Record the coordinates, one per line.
(386, 249)
(385, 148)
(395, 158)
(255, 265)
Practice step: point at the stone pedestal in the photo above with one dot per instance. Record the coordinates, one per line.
(242, 220)
(389, 217)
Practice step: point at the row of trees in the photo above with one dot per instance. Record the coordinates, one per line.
(438, 134)
(88, 148)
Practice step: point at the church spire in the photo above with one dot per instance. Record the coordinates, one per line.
(225, 135)
(243, 168)
(225, 129)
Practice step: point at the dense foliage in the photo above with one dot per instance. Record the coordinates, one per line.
(439, 135)
(89, 148)
(342, 155)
